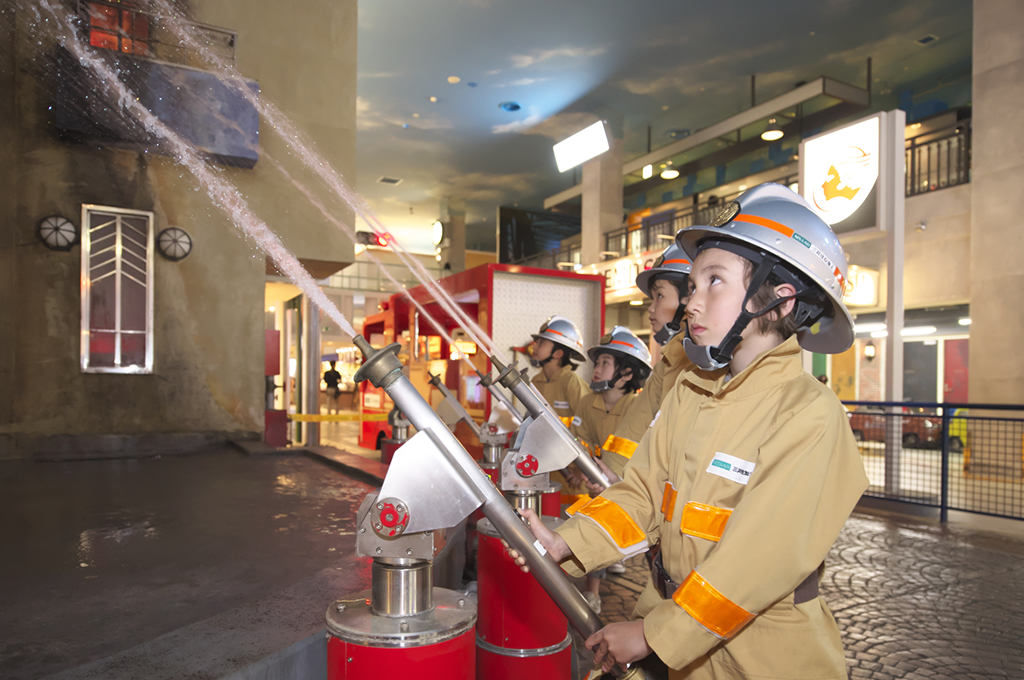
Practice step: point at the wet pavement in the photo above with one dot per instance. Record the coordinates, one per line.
(100, 556)
(913, 599)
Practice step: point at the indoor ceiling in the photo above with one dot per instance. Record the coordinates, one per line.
(433, 76)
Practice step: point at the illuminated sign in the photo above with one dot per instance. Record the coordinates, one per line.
(861, 287)
(620, 274)
(839, 170)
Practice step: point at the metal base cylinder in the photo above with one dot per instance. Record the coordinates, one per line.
(435, 644)
(522, 499)
(515, 612)
(496, 663)
(401, 587)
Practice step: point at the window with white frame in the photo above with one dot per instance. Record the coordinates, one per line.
(117, 290)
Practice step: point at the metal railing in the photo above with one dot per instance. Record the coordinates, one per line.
(551, 259)
(367, 276)
(966, 457)
(132, 28)
(939, 159)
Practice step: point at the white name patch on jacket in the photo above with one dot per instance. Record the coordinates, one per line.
(561, 404)
(731, 468)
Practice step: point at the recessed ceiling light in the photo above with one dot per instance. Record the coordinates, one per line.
(812, 32)
(415, 115)
(664, 108)
(433, 100)
(669, 174)
(677, 133)
(636, 303)
(509, 106)
(927, 39)
(454, 80)
(393, 181)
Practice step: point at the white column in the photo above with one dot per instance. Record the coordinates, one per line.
(602, 201)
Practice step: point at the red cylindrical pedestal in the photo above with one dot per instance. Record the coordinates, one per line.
(495, 663)
(514, 611)
(387, 450)
(435, 644)
(551, 503)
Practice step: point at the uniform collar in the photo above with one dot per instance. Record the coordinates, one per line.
(620, 405)
(674, 355)
(779, 364)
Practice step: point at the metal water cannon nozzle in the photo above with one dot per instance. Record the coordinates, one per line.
(488, 383)
(543, 435)
(399, 425)
(450, 410)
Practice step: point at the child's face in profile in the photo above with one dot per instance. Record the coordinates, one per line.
(664, 303)
(717, 288)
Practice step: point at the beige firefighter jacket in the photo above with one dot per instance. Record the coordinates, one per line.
(747, 484)
(592, 425)
(618, 449)
(564, 391)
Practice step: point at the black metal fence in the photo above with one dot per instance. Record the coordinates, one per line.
(967, 457)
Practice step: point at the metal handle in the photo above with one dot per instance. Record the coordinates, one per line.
(535, 406)
(384, 370)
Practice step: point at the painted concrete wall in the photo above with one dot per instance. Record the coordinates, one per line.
(208, 308)
(997, 204)
(936, 270)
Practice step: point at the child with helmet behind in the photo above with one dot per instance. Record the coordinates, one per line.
(749, 472)
(665, 283)
(622, 363)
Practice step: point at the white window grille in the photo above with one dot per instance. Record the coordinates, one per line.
(117, 290)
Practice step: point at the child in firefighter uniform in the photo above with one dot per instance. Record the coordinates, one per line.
(750, 470)
(556, 345)
(665, 284)
(622, 363)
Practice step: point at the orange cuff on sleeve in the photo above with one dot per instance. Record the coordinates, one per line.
(566, 420)
(614, 520)
(710, 608)
(620, 445)
(703, 521)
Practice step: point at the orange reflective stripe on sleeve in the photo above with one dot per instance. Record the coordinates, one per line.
(704, 521)
(566, 420)
(614, 520)
(668, 502)
(576, 502)
(710, 608)
(620, 445)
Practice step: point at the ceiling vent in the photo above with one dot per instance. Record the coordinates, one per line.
(927, 40)
(389, 180)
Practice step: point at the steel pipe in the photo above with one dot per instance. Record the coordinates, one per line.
(485, 380)
(535, 405)
(384, 370)
(436, 381)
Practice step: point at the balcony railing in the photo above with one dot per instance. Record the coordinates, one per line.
(556, 258)
(367, 276)
(939, 159)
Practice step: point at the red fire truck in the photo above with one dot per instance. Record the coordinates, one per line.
(509, 302)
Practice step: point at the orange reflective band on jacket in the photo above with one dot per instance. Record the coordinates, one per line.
(710, 608)
(576, 505)
(620, 445)
(615, 521)
(704, 521)
(566, 420)
(573, 500)
(668, 501)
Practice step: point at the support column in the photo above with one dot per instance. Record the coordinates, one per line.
(602, 201)
(311, 400)
(453, 216)
(997, 251)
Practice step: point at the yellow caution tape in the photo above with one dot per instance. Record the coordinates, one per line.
(337, 417)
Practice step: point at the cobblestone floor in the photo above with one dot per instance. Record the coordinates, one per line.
(913, 599)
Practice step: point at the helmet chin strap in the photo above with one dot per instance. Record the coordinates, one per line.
(713, 358)
(672, 328)
(539, 363)
(602, 386)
